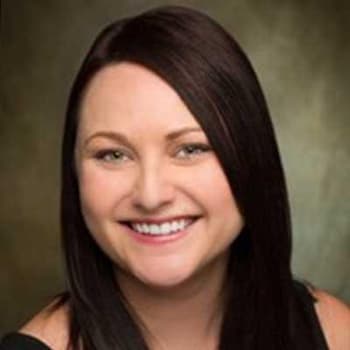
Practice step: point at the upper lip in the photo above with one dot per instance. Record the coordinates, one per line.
(160, 220)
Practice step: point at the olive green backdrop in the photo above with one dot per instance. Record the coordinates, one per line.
(300, 50)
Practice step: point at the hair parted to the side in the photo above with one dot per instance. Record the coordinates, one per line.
(213, 76)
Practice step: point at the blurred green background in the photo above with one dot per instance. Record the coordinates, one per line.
(301, 52)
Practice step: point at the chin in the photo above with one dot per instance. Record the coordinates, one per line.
(163, 277)
(168, 282)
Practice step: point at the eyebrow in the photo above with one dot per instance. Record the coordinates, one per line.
(122, 138)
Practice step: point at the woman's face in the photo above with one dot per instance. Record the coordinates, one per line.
(142, 158)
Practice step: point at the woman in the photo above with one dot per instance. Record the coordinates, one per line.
(174, 208)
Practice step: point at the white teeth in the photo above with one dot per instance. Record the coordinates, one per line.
(144, 228)
(175, 226)
(166, 228)
(154, 229)
(163, 229)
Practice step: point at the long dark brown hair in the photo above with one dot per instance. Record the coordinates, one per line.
(216, 81)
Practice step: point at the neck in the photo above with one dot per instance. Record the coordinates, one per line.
(184, 316)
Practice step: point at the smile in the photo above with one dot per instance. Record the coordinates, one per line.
(165, 228)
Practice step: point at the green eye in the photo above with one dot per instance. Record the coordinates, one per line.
(193, 149)
(110, 155)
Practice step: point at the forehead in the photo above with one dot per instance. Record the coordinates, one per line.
(131, 95)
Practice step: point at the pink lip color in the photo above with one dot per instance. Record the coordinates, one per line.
(157, 240)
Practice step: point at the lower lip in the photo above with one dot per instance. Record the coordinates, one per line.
(159, 240)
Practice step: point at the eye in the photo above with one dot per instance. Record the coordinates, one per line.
(110, 155)
(193, 149)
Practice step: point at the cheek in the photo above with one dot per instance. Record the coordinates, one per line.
(99, 190)
(214, 192)
(212, 187)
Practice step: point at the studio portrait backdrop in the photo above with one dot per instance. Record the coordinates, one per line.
(300, 51)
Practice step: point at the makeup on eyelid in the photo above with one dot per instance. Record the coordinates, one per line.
(99, 151)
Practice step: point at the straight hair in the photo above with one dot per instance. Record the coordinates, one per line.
(205, 65)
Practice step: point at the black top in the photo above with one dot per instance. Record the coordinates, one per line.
(306, 329)
(19, 341)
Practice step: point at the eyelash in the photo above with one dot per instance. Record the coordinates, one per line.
(203, 148)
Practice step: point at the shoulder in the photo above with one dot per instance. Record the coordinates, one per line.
(334, 316)
(50, 326)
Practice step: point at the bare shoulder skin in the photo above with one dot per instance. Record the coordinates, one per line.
(50, 327)
(334, 316)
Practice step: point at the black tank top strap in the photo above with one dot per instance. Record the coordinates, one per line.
(306, 328)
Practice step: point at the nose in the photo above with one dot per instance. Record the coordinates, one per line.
(153, 189)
